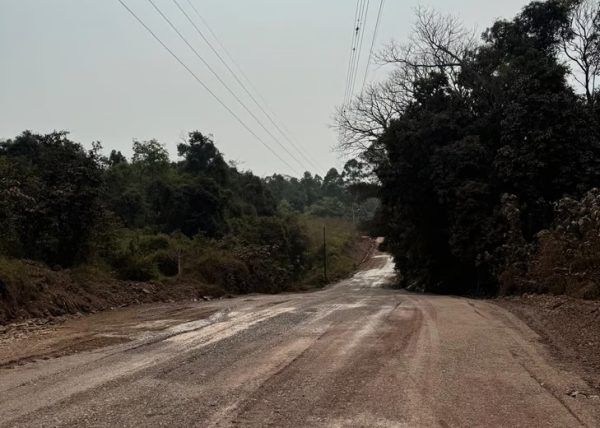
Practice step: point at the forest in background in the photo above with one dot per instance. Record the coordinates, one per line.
(487, 150)
(478, 159)
(76, 216)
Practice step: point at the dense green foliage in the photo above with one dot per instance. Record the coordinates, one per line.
(488, 140)
(49, 198)
(199, 219)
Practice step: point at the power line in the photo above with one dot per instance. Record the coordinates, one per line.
(238, 119)
(355, 32)
(375, 32)
(239, 68)
(233, 94)
(238, 80)
(361, 25)
(360, 44)
(234, 74)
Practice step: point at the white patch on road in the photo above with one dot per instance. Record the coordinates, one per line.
(196, 325)
(222, 330)
(378, 277)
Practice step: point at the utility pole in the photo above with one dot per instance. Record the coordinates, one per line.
(325, 253)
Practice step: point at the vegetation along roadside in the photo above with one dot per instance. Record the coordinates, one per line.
(81, 232)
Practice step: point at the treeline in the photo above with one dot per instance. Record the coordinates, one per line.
(488, 151)
(149, 217)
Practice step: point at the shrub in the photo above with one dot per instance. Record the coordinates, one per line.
(136, 268)
(151, 243)
(223, 269)
(166, 263)
(566, 259)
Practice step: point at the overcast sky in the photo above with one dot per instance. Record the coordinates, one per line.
(88, 67)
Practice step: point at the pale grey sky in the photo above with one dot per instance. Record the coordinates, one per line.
(87, 67)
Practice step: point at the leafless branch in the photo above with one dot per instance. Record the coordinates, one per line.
(439, 43)
(581, 45)
(368, 116)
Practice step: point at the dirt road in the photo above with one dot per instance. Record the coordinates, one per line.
(356, 354)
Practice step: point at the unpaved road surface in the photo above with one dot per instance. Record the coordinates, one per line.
(356, 354)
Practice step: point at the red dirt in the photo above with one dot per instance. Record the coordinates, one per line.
(38, 292)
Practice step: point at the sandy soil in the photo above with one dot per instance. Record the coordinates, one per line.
(356, 354)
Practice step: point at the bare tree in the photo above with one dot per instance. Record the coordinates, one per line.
(369, 115)
(438, 43)
(582, 45)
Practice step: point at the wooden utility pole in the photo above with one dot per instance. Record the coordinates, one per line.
(179, 262)
(324, 253)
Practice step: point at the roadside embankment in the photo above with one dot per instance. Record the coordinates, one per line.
(571, 328)
(31, 290)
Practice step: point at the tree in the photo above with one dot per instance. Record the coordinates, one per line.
(438, 43)
(151, 156)
(368, 116)
(287, 189)
(311, 187)
(360, 182)
(50, 197)
(254, 194)
(116, 158)
(201, 157)
(333, 185)
(581, 45)
(476, 126)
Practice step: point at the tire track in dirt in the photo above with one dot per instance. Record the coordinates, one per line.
(355, 354)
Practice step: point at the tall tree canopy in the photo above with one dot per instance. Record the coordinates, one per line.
(50, 197)
(481, 131)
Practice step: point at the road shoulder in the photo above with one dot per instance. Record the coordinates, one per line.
(569, 327)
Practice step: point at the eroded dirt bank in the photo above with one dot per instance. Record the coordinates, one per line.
(356, 354)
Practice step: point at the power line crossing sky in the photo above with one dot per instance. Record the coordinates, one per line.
(86, 66)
